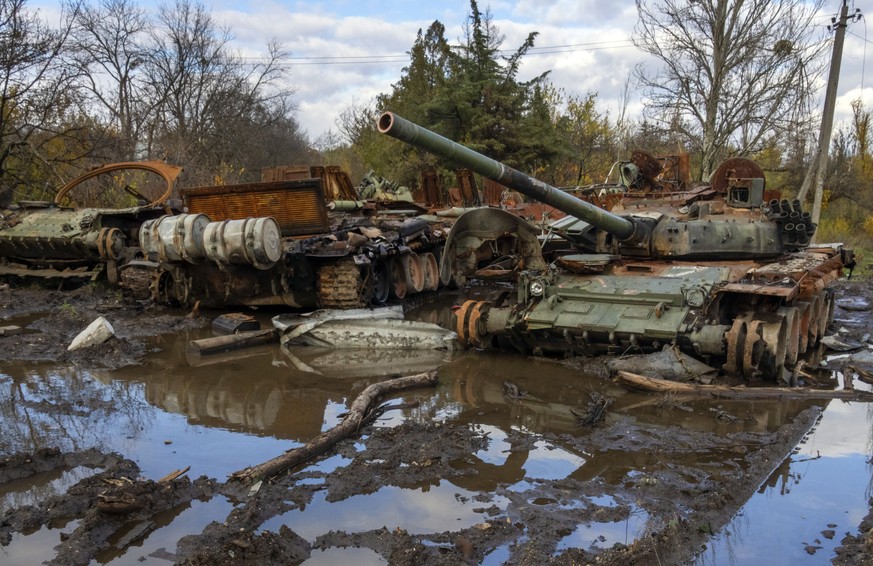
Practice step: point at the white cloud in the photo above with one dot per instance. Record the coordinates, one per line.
(599, 56)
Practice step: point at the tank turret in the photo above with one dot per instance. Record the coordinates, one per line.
(699, 232)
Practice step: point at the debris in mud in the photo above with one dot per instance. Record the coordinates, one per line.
(670, 363)
(382, 328)
(233, 322)
(55, 318)
(595, 412)
(109, 504)
(654, 385)
(656, 493)
(282, 547)
(230, 342)
(860, 364)
(854, 304)
(512, 391)
(361, 412)
(839, 343)
(97, 332)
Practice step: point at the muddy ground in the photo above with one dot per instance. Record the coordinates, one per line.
(113, 507)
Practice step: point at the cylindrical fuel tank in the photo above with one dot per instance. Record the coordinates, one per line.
(251, 241)
(174, 238)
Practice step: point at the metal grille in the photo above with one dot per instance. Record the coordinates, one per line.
(297, 206)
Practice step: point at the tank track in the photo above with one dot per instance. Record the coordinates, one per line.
(136, 283)
(344, 285)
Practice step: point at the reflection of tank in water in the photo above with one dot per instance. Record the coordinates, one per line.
(730, 278)
(361, 363)
(510, 394)
(262, 399)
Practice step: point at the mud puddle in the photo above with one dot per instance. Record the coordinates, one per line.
(490, 467)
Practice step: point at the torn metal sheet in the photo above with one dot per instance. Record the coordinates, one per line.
(362, 328)
(839, 343)
(294, 325)
(670, 363)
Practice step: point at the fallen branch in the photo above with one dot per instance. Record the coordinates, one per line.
(643, 383)
(228, 342)
(357, 416)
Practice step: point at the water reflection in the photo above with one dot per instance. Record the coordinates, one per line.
(818, 494)
(335, 555)
(35, 489)
(432, 509)
(222, 413)
(64, 407)
(279, 392)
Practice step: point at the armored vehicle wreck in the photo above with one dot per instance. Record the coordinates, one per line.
(57, 240)
(728, 277)
(280, 243)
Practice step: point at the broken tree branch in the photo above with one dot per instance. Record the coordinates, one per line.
(228, 342)
(643, 383)
(352, 422)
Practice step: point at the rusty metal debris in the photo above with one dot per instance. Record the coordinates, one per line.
(724, 272)
(167, 172)
(281, 243)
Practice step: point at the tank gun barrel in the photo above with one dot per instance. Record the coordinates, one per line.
(413, 134)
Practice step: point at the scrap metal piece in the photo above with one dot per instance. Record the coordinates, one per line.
(167, 172)
(362, 328)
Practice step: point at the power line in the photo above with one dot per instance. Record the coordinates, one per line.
(861, 37)
(404, 57)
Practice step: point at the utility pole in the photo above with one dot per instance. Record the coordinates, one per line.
(819, 163)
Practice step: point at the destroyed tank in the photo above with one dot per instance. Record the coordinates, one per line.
(279, 243)
(53, 240)
(732, 280)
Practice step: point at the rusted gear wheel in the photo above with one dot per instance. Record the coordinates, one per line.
(804, 310)
(414, 272)
(345, 285)
(758, 344)
(136, 282)
(467, 322)
(431, 271)
(736, 339)
(398, 278)
(792, 324)
(165, 290)
(774, 332)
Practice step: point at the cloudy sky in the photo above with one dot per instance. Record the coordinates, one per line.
(347, 51)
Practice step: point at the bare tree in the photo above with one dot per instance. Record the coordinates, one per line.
(35, 96)
(109, 39)
(211, 106)
(732, 73)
